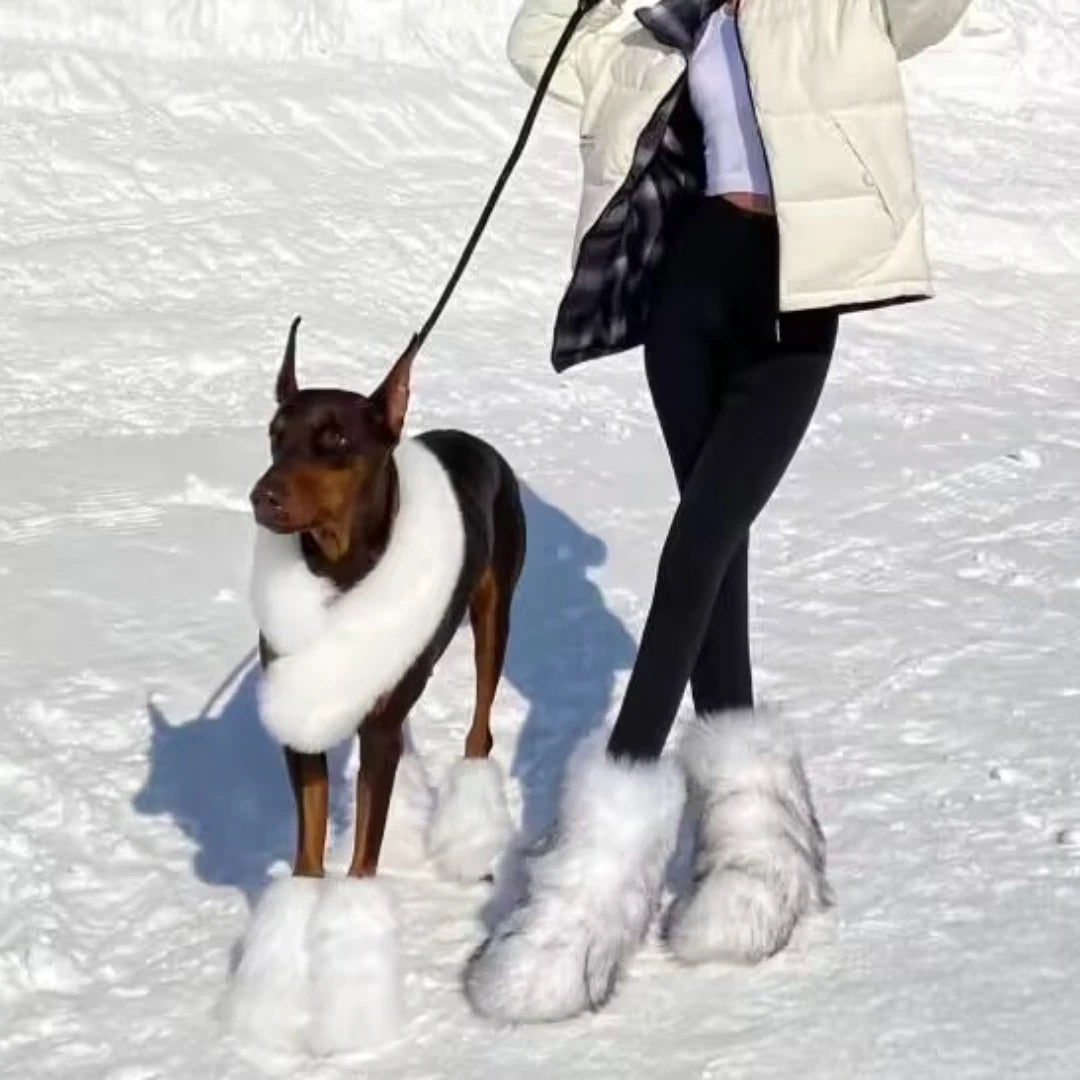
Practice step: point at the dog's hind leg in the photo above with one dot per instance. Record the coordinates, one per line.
(382, 740)
(489, 614)
(380, 752)
(471, 825)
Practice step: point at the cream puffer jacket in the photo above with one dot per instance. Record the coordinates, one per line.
(825, 80)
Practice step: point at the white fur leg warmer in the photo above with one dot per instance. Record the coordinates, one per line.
(319, 970)
(268, 1003)
(760, 863)
(356, 982)
(591, 894)
(471, 824)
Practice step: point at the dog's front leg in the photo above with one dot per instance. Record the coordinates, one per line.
(270, 999)
(354, 936)
(381, 745)
(311, 789)
(310, 782)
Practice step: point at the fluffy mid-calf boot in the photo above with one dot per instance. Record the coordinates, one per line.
(590, 892)
(760, 858)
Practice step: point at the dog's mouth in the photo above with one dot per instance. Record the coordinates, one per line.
(276, 522)
(271, 510)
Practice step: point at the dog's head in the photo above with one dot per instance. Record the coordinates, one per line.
(329, 451)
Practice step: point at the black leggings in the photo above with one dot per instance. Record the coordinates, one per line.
(735, 384)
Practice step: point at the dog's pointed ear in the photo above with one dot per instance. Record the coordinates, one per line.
(392, 397)
(286, 380)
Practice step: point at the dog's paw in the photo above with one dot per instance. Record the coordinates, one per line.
(470, 826)
(268, 1003)
(356, 982)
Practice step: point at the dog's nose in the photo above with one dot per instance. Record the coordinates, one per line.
(268, 502)
(266, 496)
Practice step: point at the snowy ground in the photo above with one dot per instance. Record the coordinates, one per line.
(177, 180)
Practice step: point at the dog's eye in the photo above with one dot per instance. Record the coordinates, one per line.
(333, 441)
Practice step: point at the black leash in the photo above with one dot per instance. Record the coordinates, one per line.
(582, 9)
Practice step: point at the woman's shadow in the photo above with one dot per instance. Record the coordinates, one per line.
(222, 779)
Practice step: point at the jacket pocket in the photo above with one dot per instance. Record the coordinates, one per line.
(869, 179)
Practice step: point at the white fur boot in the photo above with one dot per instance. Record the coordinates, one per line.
(356, 983)
(268, 1003)
(471, 825)
(760, 863)
(591, 892)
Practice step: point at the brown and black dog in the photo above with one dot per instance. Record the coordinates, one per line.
(333, 480)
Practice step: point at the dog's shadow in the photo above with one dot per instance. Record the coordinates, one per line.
(566, 649)
(221, 778)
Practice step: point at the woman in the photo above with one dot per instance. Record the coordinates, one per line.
(748, 177)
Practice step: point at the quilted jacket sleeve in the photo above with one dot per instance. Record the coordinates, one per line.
(915, 25)
(534, 34)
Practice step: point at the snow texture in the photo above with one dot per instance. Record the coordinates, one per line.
(760, 861)
(470, 827)
(178, 179)
(590, 892)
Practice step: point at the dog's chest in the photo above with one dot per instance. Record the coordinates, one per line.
(338, 652)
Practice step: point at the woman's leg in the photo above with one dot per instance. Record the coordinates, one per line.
(688, 347)
(592, 889)
(766, 409)
(684, 368)
(760, 857)
(722, 677)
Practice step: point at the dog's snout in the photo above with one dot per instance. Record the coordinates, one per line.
(265, 495)
(268, 501)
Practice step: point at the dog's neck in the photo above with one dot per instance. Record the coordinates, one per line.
(369, 534)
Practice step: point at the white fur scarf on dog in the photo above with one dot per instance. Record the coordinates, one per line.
(339, 652)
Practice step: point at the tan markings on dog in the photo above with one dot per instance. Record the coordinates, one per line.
(311, 789)
(327, 498)
(489, 636)
(381, 743)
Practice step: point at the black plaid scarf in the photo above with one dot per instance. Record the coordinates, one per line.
(606, 305)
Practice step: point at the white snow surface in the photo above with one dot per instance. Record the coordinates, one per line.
(178, 178)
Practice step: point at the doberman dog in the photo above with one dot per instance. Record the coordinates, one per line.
(335, 483)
